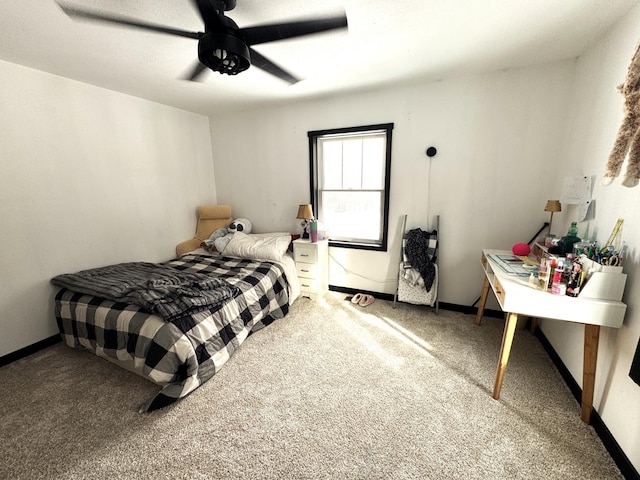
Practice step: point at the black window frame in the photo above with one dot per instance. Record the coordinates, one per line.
(313, 184)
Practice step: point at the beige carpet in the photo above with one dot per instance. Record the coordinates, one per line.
(331, 391)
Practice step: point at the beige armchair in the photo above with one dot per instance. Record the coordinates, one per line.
(210, 218)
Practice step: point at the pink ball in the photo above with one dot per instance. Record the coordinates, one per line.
(521, 249)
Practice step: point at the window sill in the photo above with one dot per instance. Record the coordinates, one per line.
(358, 246)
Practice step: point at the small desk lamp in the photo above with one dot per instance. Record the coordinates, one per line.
(305, 212)
(552, 206)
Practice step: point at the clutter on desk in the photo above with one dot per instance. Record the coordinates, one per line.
(564, 245)
(571, 266)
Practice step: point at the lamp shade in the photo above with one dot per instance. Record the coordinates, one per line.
(305, 212)
(553, 206)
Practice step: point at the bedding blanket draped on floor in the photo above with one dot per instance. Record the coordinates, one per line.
(185, 352)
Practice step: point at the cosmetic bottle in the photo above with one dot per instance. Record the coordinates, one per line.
(558, 284)
(543, 275)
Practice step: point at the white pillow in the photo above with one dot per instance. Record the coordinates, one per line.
(257, 247)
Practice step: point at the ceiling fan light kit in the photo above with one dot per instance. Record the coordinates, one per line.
(224, 47)
(224, 53)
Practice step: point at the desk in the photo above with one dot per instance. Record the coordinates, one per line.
(517, 297)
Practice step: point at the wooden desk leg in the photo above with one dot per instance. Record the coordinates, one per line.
(483, 300)
(591, 337)
(505, 350)
(534, 325)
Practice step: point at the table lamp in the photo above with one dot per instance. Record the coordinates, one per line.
(305, 212)
(552, 206)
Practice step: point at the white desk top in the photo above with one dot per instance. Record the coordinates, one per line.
(517, 296)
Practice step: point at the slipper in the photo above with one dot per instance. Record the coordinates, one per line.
(366, 300)
(357, 298)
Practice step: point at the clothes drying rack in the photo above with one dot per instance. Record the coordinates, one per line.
(408, 287)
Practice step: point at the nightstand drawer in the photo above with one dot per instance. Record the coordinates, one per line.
(305, 253)
(307, 270)
(309, 285)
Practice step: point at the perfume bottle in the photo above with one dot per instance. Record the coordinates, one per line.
(543, 275)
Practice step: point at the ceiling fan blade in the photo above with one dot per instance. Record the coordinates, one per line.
(120, 20)
(280, 31)
(263, 63)
(196, 72)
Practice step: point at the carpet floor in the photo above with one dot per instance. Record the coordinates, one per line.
(333, 391)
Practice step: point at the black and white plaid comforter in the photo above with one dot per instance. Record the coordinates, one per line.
(183, 353)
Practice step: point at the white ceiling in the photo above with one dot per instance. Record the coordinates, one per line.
(387, 42)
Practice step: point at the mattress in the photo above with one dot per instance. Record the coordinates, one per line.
(182, 354)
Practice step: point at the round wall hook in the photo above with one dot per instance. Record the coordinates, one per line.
(431, 152)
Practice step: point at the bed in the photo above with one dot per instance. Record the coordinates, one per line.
(248, 287)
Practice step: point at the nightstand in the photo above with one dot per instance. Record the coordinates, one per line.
(312, 266)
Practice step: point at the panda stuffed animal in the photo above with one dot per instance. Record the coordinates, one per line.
(221, 237)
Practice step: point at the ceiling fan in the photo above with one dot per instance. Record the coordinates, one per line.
(223, 46)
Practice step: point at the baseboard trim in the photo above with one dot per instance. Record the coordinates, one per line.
(445, 306)
(622, 461)
(29, 350)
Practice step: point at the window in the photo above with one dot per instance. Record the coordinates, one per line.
(350, 175)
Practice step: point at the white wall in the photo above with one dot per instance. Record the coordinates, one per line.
(89, 177)
(596, 113)
(498, 137)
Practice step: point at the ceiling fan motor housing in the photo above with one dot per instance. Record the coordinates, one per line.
(224, 4)
(224, 53)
